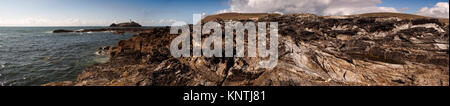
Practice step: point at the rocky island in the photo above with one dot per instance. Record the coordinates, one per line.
(385, 49)
(117, 28)
(126, 24)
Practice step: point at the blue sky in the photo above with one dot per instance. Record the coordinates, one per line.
(148, 12)
(413, 5)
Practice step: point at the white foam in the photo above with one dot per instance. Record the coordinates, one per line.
(48, 32)
(98, 53)
(101, 60)
(2, 65)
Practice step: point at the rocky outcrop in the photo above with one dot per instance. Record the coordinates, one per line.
(103, 51)
(313, 51)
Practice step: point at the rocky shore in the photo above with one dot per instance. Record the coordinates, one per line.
(313, 51)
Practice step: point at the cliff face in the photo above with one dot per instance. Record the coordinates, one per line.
(313, 51)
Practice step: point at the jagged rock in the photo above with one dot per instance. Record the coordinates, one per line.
(103, 50)
(313, 51)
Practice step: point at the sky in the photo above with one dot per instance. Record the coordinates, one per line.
(166, 12)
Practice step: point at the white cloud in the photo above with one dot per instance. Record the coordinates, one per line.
(439, 10)
(50, 22)
(320, 7)
(76, 22)
(223, 11)
(404, 9)
(162, 22)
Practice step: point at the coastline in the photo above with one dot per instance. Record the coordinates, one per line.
(35, 56)
(374, 53)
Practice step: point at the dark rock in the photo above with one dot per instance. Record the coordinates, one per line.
(62, 31)
(105, 50)
(425, 21)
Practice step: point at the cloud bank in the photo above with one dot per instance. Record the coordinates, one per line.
(321, 7)
(439, 10)
(77, 22)
(328, 7)
(162, 22)
(51, 22)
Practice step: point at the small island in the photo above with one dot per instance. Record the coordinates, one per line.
(117, 28)
(126, 24)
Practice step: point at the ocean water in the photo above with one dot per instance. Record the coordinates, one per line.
(31, 56)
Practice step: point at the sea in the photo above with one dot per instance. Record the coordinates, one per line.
(32, 56)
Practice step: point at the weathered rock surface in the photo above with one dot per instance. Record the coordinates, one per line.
(313, 51)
